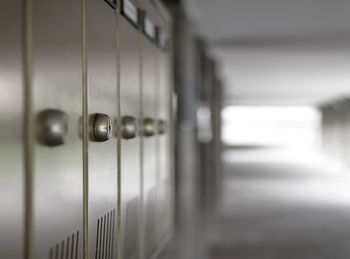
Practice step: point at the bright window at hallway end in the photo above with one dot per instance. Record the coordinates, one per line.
(277, 126)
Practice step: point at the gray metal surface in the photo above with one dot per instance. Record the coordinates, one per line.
(102, 78)
(130, 148)
(150, 60)
(162, 148)
(11, 127)
(57, 85)
(57, 119)
(165, 139)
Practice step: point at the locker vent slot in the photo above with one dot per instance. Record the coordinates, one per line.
(105, 236)
(164, 217)
(66, 249)
(151, 230)
(132, 227)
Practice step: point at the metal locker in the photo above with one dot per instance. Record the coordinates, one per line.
(150, 187)
(11, 128)
(163, 137)
(102, 80)
(130, 139)
(57, 107)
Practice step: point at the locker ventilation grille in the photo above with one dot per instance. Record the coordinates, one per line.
(132, 226)
(66, 249)
(151, 214)
(105, 236)
(164, 207)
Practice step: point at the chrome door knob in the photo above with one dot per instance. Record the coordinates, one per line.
(53, 127)
(128, 127)
(161, 127)
(147, 127)
(101, 127)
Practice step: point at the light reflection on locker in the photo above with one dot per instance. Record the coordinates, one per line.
(102, 80)
(130, 148)
(163, 166)
(149, 143)
(11, 128)
(57, 84)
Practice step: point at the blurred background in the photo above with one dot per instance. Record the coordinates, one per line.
(262, 129)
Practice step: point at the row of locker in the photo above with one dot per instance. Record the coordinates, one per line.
(95, 67)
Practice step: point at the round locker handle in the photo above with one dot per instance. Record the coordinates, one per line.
(101, 128)
(148, 127)
(162, 127)
(53, 127)
(129, 127)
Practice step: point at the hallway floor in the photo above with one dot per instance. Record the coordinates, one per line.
(282, 204)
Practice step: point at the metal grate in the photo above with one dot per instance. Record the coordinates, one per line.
(132, 228)
(151, 209)
(105, 236)
(164, 208)
(66, 249)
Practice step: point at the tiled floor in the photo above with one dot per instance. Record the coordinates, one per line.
(282, 204)
(279, 204)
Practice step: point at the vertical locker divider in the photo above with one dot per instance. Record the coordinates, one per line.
(28, 127)
(141, 117)
(119, 186)
(85, 111)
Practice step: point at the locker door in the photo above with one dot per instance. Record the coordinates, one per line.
(102, 79)
(149, 142)
(57, 109)
(130, 142)
(11, 147)
(163, 130)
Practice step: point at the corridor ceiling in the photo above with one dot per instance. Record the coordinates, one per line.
(277, 52)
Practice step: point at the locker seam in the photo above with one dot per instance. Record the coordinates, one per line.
(141, 115)
(85, 132)
(119, 234)
(28, 128)
(170, 165)
(157, 141)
